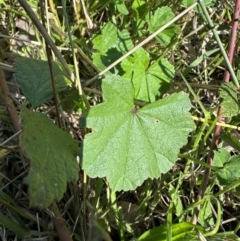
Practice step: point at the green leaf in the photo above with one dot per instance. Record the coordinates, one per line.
(139, 8)
(107, 39)
(230, 167)
(124, 41)
(102, 61)
(34, 79)
(159, 18)
(127, 144)
(207, 3)
(231, 171)
(230, 105)
(205, 217)
(179, 231)
(221, 157)
(52, 154)
(122, 9)
(148, 81)
(187, 3)
(98, 60)
(232, 139)
(162, 72)
(112, 44)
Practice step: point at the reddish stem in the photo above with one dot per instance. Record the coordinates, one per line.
(217, 131)
(60, 223)
(226, 79)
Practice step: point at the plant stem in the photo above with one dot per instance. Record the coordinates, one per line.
(9, 102)
(233, 37)
(60, 224)
(228, 60)
(44, 33)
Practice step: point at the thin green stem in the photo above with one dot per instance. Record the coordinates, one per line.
(211, 25)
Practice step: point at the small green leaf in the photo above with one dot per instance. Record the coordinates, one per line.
(230, 103)
(207, 3)
(139, 8)
(122, 9)
(231, 139)
(34, 79)
(148, 81)
(205, 217)
(127, 144)
(52, 154)
(230, 167)
(107, 39)
(159, 18)
(187, 3)
(221, 157)
(231, 171)
(111, 46)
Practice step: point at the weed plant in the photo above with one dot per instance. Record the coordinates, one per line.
(119, 120)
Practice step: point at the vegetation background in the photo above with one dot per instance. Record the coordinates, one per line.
(119, 120)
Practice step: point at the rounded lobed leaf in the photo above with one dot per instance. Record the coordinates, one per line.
(128, 145)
